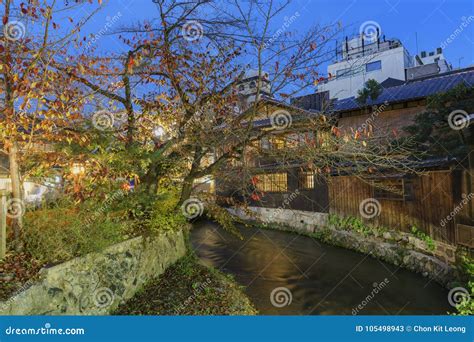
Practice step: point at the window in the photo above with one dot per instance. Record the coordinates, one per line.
(265, 143)
(292, 140)
(377, 65)
(306, 180)
(241, 87)
(277, 143)
(393, 189)
(273, 182)
(253, 85)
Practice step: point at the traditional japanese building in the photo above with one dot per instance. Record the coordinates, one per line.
(435, 197)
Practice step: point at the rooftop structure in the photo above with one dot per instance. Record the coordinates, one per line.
(360, 59)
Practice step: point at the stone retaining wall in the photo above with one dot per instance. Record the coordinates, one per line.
(398, 248)
(96, 283)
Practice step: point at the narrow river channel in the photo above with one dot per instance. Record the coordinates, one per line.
(321, 279)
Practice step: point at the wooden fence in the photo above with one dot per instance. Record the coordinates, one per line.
(433, 200)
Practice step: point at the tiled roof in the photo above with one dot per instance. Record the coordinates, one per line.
(412, 90)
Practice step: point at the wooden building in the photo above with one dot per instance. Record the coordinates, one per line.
(436, 199)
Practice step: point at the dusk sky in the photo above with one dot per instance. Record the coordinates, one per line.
(432, 21)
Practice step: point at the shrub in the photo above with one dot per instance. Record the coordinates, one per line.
(466, 268)
(56, 234)
(466, 307)
(66, 230)
(150, 213)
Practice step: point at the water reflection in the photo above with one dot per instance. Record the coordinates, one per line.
(322, 279)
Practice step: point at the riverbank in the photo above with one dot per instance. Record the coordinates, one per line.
(418, 254)
(292, 274)
(189, 288)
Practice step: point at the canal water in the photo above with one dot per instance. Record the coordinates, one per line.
(290, 274)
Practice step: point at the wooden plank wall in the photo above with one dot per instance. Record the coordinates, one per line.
(433, 201)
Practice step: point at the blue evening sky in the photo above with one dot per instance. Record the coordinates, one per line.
(433, 21)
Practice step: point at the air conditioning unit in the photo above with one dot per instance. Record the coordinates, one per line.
(465, 235)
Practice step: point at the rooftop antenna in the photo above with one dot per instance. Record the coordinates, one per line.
(378, 39)
(416, 42)
(362, 40)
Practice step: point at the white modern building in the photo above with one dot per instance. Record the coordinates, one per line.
(379, 59)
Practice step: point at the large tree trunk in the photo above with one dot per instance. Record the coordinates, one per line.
(17, 193)
(187, 189)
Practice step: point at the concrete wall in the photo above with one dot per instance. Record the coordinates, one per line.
(394, 62)
(96, 283)
(303, 221)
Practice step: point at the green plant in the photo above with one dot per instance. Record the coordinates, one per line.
(371, 89)
(150, 213)
(53, 235)
(466, 307)
(425, 238)
(355, 224)
(465, 267)
(164, 215)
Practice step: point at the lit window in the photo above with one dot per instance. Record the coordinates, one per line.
(306, 180)
(273, 182)
(277, 143)
(377, 65)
